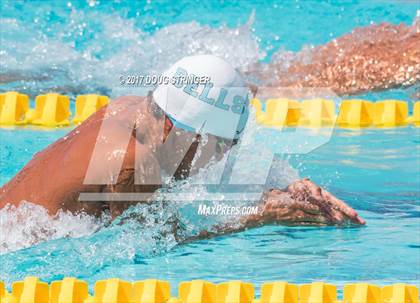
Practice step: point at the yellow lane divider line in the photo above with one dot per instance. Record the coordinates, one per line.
(72, 290)
(53, 110)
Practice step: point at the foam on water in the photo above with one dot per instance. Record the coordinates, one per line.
(29, 224)
(37, 61)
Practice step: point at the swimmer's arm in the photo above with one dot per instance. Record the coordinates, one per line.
(302, 203)
(375, 57)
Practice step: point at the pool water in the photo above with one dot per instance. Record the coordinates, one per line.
(375, 171)
(79, 47)
(84, 46)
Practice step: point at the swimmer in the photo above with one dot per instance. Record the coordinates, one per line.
(159, 133)
(377, 57)
(301, 203)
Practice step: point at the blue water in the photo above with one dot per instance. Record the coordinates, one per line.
(375, 171)
(84, 46)
(79, 46)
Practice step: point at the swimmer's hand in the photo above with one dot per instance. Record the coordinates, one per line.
(304, 203)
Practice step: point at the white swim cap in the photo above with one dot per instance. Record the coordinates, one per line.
(217, 106)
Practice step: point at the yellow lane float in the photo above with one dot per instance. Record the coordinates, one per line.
(68, 290)
(355, 113)
(197, 291)
(72, 290)
(278, 112)
(53, 110)
(235, 291)
(361, 292)
(13, 108)
(390, 113)
(50, 110)
(279, 292)
(317, 292)
(2, 289)
(317, 113)
(400, 293)
(151, 291)
(112, 291)
(86, 105)
(415, 118)
(31, 290)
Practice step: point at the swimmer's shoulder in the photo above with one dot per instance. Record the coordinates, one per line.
(139, 104)
(123, 112)
(130, 100)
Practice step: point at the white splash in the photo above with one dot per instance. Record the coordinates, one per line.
(29, 224)
(38, 60)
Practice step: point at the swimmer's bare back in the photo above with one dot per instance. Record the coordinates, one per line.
(54, 177)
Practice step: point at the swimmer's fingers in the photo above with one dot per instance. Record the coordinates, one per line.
(339, 211)
(342, 209)
(284, 208)
(346, 210)
(318, 202)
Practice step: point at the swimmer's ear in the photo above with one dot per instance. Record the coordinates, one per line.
(220, 147)
(223, 145)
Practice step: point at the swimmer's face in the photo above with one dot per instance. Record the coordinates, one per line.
(222, 145)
